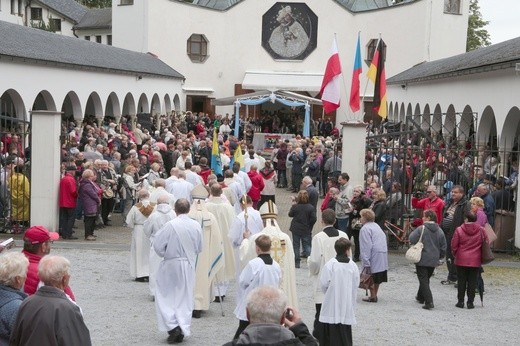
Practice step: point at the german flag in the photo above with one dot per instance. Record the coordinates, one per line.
(376, 73)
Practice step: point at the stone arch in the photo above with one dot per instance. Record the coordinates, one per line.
(167, 104)
(466, 127)
(396, 111)
(177, 103)
(436, 124)
(94, 106)
(143, 105)
(155, 107)
(129, 105)
(113, 107)
(71, 107)
(449, 130)
(402, 113)
(487, 127)
(510, 130)
(409, 110)
(44, 102)
(11, 104)
(426, 117)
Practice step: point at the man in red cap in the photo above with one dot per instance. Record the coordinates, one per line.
(37, 242)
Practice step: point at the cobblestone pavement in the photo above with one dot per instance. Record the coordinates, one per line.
(119, 311)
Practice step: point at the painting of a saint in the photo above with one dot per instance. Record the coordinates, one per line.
(289, 31)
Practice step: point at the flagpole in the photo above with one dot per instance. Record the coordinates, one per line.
(366, 85)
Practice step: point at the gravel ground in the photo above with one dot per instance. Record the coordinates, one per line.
(119, 311)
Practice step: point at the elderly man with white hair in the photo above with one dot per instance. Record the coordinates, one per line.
(49, 317)
(13, 272)
(272, 322)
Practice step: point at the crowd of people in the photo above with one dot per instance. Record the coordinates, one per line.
(205, 216)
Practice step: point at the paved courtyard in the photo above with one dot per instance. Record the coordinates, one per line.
(119, 311)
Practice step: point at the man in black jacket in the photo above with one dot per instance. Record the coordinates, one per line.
(272, 322)
(51, 308)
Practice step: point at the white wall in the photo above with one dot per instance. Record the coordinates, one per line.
(93, 33)
(28, 81)
(498, 89)
(235, 38)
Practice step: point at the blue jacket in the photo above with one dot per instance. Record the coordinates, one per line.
(10, 301)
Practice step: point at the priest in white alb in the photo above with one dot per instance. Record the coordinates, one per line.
(225, 217)
(211, 259)
(140, 247)
(178, 242)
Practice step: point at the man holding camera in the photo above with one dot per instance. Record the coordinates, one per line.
(430, 202)
(272, 322)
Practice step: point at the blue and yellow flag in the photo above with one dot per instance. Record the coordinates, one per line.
(216, 164)
(238, 157)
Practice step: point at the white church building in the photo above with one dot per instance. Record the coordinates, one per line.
(228, 48)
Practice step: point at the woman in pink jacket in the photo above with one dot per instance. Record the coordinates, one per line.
(466, 246)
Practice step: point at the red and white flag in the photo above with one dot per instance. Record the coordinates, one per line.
(330, 90)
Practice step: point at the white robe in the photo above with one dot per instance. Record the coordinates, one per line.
(140, 248)
(179, 188)
(238, 191)
(255, 274)
(281, 251)
(322, 250)
(211, 259)
(162, 214)
(161, 191)
(193, 178)
(339, 281)
(236, 233)
(225, 218)
(178, 242)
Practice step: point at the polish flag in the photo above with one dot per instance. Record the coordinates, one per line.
(330, 90)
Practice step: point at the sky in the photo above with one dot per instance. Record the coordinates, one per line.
(503, 17)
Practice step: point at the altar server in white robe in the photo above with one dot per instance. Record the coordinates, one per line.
(339, 282)
(158, 218)
(281, 250)
(260, 271)
(140, 248)
(322, 251)
(225, 218)
(255, 224)
(178, 242)
(211, 259)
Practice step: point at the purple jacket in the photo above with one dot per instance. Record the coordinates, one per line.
(88, 193)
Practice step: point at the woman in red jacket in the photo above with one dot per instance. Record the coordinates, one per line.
(466, 246)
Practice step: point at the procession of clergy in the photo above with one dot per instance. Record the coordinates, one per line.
(191, 242)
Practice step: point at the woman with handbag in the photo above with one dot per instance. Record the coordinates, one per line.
(359, 202)
(466, 246)
(374, 252)
(434, 250)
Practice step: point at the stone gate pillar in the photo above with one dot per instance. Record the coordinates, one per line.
(45, 168)
(353, 151)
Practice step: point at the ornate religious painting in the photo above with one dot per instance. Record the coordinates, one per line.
(289, 31)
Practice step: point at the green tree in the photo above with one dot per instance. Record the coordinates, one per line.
(478, 36)
(96, 3)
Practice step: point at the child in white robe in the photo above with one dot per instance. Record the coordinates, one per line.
(260, 271)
